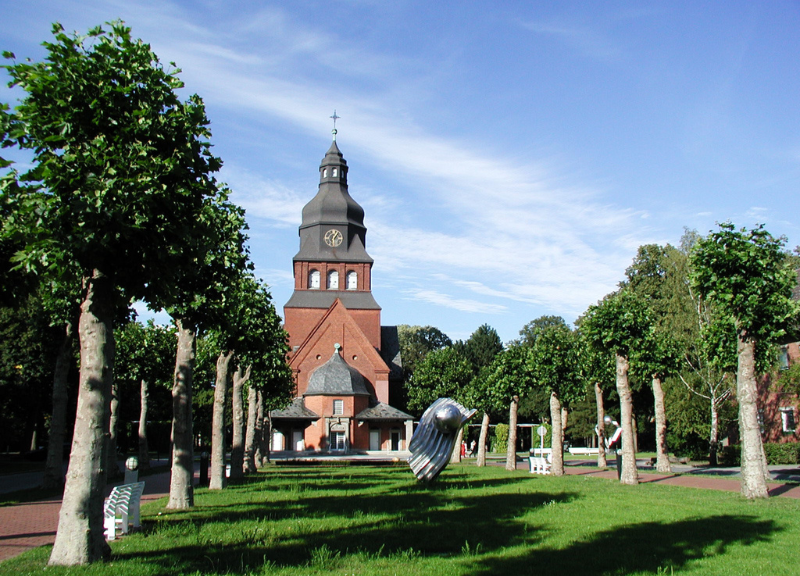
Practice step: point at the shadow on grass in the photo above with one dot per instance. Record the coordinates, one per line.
(433, 522)
(644, 547)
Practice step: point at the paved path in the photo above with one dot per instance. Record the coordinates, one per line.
(33, 524)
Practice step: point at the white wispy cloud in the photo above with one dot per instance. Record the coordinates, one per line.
(586, 40)
(511, 230)
(460, 304)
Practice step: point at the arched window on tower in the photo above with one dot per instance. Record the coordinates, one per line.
(334, 172)
(333, 280)
(324, 172)
(313, 280)
(352, 280)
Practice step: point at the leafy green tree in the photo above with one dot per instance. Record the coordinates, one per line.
(198, 302)
(530, 332)
(659, 357)
(443, 373)
(251, 335)
(415, 343)
(143, 361)
(619, 325)
(596, 368)
(482, 347)
(554, 366)
(28, 348)
(746, 275)
(121, 172)
(509, 379)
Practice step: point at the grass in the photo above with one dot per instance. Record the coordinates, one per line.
(352, 520)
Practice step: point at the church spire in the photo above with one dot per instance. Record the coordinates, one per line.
(334, 131)
(333, 222)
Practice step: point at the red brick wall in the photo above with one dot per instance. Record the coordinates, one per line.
(302, 269)
(299, 322)
(772, 397)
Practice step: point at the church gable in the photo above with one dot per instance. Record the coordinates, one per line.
(337, 326)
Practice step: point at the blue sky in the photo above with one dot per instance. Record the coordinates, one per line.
(510, 158)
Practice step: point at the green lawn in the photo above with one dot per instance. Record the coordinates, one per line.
(355, 520)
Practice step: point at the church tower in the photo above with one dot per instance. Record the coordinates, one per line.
(333, 261)
(343, 361)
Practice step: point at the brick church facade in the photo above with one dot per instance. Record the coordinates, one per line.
(344, 362)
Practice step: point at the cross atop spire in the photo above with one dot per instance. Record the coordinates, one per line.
(334, 131)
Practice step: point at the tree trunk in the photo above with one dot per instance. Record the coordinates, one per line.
(511, 452)
(260, 455)
(53, 469)
(713, 437)
(629, 474)
(755, 473)
(237, 444)
(601, 427)
(250, 434)
(80, 538)
(181, 489)
(662, 454)
(556, 438)
(266, 437)
(144, 451)
(217, 480)
(112, 465)
(455, 457)
(481, 461)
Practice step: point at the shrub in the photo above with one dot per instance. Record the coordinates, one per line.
(500, 443)
(786, 453)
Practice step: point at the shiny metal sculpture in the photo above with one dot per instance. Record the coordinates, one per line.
(435, 437)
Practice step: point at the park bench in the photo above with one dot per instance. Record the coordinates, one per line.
(539, 465)
(122, 507)
(583, 451)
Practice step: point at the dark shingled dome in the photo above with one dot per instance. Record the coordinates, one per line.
(333, 204)
(336, 377)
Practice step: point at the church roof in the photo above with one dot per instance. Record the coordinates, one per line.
(352, 300)
(336, 377)
(383, 411)
(333, 202)
(295, 411)
(390, 351)
(333, 209)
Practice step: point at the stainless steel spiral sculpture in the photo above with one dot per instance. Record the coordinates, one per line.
(435, 437)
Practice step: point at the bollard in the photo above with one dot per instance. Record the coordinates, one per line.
(204, 469)
(619, 465)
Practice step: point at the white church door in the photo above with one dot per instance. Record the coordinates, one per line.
(298, 441)
(374, 439)
(277, 440)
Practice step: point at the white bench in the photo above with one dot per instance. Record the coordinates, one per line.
(539, 465)
(122, 507)
(583, 451)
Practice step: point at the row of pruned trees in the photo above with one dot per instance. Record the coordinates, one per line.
(120, 204)
(699, 316)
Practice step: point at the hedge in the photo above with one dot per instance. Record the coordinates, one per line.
(784, 453)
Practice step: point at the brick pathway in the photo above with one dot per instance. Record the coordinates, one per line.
(33, 524)
(688, 481)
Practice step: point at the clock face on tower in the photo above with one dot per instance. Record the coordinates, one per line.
(333, 238)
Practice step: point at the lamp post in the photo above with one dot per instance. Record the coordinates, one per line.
(131, 470)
